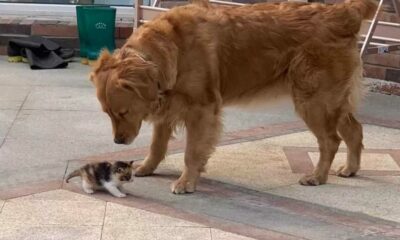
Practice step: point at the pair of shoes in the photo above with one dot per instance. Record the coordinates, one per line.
(39, 52)
(96, 29)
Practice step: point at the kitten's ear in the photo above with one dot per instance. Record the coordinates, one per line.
(130, 163)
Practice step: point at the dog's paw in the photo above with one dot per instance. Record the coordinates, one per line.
(345, 171)
(142, 171)
(182, 187)
(312, 180)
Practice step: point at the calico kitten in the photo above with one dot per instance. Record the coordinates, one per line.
(104, 175)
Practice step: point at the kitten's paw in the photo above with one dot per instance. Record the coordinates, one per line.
(120, 195)
(88, 191)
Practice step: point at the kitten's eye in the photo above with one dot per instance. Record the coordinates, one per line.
(120, 170)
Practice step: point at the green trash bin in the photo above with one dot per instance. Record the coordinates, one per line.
(96, 29)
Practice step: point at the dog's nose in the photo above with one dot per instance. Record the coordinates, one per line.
(119, 140)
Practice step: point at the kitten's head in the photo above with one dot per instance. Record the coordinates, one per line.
(122, 170)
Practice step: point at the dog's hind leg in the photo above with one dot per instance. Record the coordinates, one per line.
(203, 125)
(351, 132)
(323, 124)
(161, 134)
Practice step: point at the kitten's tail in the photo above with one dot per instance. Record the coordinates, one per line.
(75, 173)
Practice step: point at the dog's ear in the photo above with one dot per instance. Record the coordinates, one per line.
(145, 91)
(137, 75)
(156, 97)
(91, 77)
(105, 61)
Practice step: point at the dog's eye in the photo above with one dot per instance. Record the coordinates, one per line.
(121, 114)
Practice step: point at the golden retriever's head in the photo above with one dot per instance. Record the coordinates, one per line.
(127, 90)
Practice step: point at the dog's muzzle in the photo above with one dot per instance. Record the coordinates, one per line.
(119, 140)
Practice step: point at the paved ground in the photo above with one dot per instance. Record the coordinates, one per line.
(51, 123)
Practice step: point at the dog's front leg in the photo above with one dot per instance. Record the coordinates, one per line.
(161, 134)
(203, 126)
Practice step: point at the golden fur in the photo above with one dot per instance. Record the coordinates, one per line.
(185, 65)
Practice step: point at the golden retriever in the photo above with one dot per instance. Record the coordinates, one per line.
(185, 65)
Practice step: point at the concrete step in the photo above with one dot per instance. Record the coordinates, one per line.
(382, 72)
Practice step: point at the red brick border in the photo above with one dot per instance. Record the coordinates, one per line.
(29, 189)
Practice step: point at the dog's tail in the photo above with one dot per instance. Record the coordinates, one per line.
(365, 8)
(75, 173)
(346, 19)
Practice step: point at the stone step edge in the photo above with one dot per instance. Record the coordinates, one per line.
(382, 72)
(65, 42)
